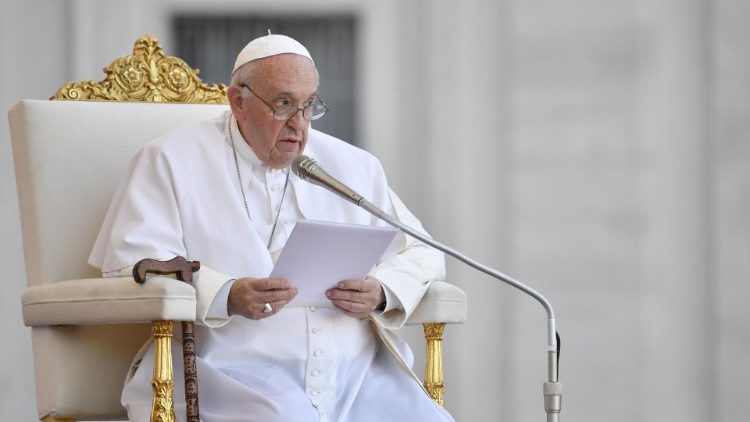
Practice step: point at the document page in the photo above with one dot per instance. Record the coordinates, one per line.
(318, 255)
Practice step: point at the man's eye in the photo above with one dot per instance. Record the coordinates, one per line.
(281, 103)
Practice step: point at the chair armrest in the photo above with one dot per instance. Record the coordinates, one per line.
(443, 302)
(114, 300)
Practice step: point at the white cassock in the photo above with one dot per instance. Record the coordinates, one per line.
(309, 362)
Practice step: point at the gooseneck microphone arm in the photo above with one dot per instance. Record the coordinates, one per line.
(308, 169)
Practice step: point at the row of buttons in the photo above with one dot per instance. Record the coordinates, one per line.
(314, 387)
(317, 353)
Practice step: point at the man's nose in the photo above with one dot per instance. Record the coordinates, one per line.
(297, 121)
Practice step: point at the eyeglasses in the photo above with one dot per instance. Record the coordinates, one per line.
(313, 109)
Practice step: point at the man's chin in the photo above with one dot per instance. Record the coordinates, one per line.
(283, 161)
(286, 152)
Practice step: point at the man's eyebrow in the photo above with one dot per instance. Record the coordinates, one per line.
(289, 94)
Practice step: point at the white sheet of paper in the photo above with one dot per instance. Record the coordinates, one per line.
(318, 255)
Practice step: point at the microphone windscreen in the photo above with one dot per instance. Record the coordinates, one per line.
(303, 166)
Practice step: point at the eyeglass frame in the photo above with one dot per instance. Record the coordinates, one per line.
(299, 107)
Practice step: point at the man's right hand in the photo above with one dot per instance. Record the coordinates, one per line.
(248, 296)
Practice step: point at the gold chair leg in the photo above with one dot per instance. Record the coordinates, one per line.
(162, 408)
(433, 365)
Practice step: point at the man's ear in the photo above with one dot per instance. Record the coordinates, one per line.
(234, 95)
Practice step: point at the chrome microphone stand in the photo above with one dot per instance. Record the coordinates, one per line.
(309, 170)
(552, 388)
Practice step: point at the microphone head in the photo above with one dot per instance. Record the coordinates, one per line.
(308, 170)
(303, 166)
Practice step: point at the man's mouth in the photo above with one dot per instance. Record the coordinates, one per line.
(288, 144)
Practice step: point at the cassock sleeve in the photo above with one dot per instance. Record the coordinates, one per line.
(407, 272)
(144, 221)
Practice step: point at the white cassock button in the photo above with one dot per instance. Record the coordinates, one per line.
(276, 188)
(314, 392)
(319, 352)
(315, 372)
(316, 330)
(313, 308)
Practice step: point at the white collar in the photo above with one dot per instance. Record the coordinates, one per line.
(242, 147)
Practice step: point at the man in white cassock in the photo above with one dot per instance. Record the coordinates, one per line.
(221, 192)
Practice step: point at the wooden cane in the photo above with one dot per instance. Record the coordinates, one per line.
(184, 270)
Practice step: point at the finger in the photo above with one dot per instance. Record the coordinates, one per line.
(258, 310)
(349, 295)
(277, 294)
(251, 312)
(355, 307)
(344, 311)
(263, 284)
(355, 284)
(276, 307)
(253, 309)
(347, 312)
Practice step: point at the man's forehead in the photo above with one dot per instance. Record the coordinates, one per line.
(286, 61)
(287, 73)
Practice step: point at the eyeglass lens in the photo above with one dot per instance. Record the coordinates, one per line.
(312, 111)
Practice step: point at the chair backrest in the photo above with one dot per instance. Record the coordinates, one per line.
(68, 157)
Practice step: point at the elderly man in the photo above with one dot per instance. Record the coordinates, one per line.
(221, 192)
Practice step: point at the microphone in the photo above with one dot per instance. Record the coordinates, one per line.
(309, 170)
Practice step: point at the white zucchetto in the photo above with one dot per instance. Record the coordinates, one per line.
(269, 45)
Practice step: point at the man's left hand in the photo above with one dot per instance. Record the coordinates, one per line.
(357, 298)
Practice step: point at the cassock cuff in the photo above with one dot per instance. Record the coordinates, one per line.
(391, 301)
(208, 286)
(219, 307)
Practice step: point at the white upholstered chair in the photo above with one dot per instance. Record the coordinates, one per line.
(68, 156)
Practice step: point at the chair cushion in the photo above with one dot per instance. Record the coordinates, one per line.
(108, 301)
(443, 302)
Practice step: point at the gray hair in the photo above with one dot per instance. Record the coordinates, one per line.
(244, 74)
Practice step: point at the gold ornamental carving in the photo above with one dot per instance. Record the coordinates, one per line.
(162, 407)
(434, 331)
(146, 75)
(433, 366)
(436, 392)
(162, 382)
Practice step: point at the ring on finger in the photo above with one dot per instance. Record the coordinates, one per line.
(267, 309)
